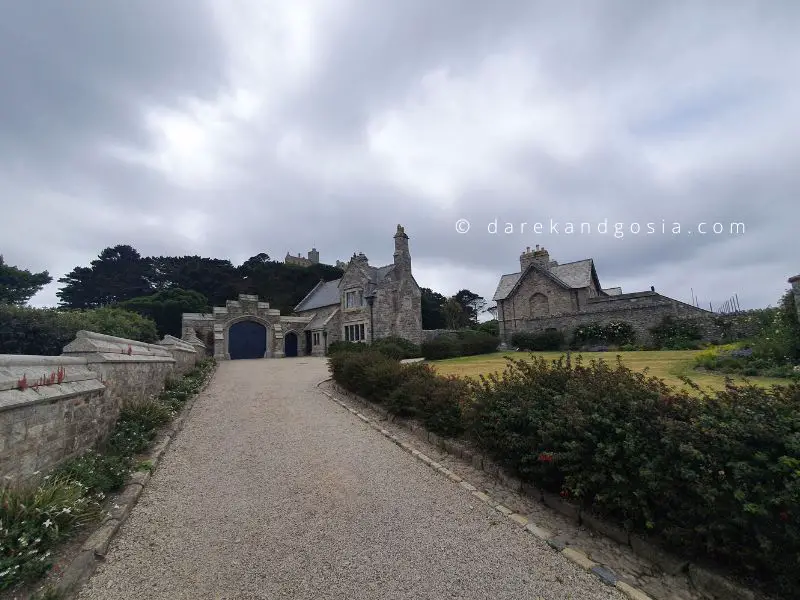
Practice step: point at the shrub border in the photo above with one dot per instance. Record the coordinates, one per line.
(703, 580)
(94, 549)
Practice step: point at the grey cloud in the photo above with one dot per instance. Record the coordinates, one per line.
(79, 75)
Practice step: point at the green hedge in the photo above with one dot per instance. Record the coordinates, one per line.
(45, 331)
(712, 476)
(615, 333)
(467, 342)
(412, 390)
(538, 342)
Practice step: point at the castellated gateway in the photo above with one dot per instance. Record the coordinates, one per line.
(367, 303)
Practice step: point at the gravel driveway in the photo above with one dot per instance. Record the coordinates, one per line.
(271, 490)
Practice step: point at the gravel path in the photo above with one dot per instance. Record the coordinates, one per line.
(273, 491)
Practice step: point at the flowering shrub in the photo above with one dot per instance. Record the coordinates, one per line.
(677, 334)
(773, 352)
(33, 521)
(617, 333)
(715, 476)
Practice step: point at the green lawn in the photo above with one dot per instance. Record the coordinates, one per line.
(667, 364)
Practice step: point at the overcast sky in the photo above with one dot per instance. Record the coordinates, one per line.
(231, 127)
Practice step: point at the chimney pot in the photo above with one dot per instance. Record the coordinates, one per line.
(537, 246)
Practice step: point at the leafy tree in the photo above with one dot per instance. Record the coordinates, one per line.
(492, 327)
(166, 308)
(17, 286)
(453, 313)
(118, 274)
(216, 279)
(472, 306)
(432, 314)
(282, 285)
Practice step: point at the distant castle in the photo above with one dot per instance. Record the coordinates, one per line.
(313, 259)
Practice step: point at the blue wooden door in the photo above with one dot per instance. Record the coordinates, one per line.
(247, 339)
(291, 344)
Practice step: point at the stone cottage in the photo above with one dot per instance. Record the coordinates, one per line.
(366, 304)
(545, 295)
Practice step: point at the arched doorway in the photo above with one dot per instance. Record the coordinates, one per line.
(247, 339)
(290, 342)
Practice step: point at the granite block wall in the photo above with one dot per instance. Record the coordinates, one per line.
(43, 425)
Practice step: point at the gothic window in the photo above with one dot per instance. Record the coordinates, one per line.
(539, 306)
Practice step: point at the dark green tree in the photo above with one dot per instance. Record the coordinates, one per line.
(216, 279)
(166, 308)
(432, 314)
(282, 285)
(472, 306)
(17, 286)
(453, 313)
(118, 274)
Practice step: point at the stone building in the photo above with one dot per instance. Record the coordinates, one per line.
(299, 261)
(313, 259)
(366, 303)
(545, 295)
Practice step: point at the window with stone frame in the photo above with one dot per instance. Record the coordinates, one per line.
(354, 299)
(315, 338)
(355, 332)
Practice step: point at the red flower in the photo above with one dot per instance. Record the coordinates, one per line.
(565, 493)
(784, 516)
(545, 457)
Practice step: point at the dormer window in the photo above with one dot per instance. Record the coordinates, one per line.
(354, 299)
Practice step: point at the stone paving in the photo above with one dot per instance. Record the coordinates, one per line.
(271, 490)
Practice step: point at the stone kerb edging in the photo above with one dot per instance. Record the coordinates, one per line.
(98, 347)
(703, 580)
(96, 545)
(27, 380)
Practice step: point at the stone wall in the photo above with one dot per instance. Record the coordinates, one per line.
(55, 407)
(430, 334)
(642, 310)
(184, 353)
(132, 371)
(41, 426)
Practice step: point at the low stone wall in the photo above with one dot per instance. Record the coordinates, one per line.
(132, 371)
(185, 355)
(430, 334)
(643, 311)
(51, 408)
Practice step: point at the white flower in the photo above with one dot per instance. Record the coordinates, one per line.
(66, 510)
(47, 523)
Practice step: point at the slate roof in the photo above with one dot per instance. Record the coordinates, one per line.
(324, 294)
(615, 291)
(507, 283)
(320, 320)
(327, 293)
(576, 274)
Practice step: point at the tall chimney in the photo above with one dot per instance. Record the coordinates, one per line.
(402, 256)
(540, 257)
